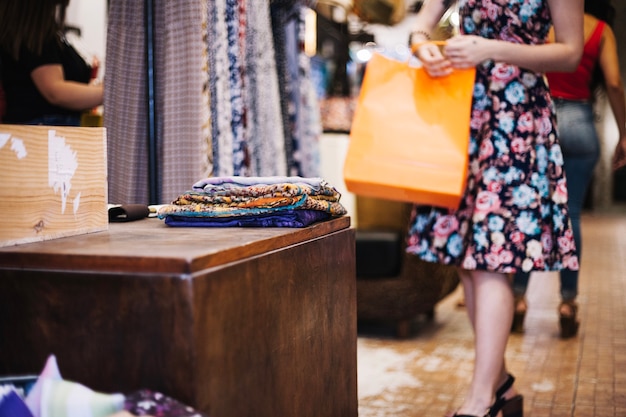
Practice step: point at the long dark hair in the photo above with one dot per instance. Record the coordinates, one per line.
(30, 24)
(602, 10)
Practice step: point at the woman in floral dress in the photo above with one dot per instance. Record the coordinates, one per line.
(514, 213)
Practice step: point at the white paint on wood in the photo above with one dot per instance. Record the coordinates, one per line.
(62, 165)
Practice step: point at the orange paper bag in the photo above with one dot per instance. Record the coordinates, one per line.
(410, 133)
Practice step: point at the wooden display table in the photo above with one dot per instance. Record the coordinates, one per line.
(234, 321)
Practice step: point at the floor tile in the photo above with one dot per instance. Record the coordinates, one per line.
(427, 373)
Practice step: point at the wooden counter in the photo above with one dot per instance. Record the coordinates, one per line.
(234, 321)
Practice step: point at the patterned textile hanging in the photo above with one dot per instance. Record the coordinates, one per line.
(235, 85)
(179, 93)
(288, 44)
(124, 113)
(205, 116)
(219, 89)
(219, 95)
(264, 150)
(283, 26)
(309, 118)
(264, 130)
(179, 67)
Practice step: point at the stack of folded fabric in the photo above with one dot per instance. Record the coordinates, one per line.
(254, 202)
(52, 396)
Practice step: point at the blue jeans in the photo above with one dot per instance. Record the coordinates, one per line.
(581, 150)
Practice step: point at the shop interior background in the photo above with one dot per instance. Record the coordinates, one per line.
(607, 192)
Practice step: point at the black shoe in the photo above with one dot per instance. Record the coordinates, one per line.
(512, 407)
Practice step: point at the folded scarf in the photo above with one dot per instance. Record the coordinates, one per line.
(242, 198)
(287, 218)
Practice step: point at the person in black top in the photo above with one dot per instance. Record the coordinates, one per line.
(45, 80)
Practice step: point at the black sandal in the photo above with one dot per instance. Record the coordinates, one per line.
(569, 322)
(512, 407)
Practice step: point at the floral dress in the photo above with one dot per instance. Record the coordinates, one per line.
(514, 214)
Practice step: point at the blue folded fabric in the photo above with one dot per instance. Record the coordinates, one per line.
(283, 218)
(12, 405)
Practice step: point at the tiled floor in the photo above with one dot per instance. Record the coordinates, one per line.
(426, 374)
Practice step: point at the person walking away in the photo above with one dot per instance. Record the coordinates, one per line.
(573, 94)
(513, 215)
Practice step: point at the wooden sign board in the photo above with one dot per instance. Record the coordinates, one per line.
(53, 182)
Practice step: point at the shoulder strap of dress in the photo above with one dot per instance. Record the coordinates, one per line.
(596, 36)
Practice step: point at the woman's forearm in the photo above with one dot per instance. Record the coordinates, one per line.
(77, 96)
(539, 58)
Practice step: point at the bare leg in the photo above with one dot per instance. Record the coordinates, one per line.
(489, 301)
(467, 282)
(468, 291)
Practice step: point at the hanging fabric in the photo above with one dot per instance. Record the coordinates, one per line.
(233, 95)
(125, 114)
(264, 130)
(246, 112)
(288, 40)
(179, 93)
(179, 100)
(221, 132)
(235, 24)
(307, 154)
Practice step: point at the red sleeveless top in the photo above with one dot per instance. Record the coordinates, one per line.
(576, 85)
